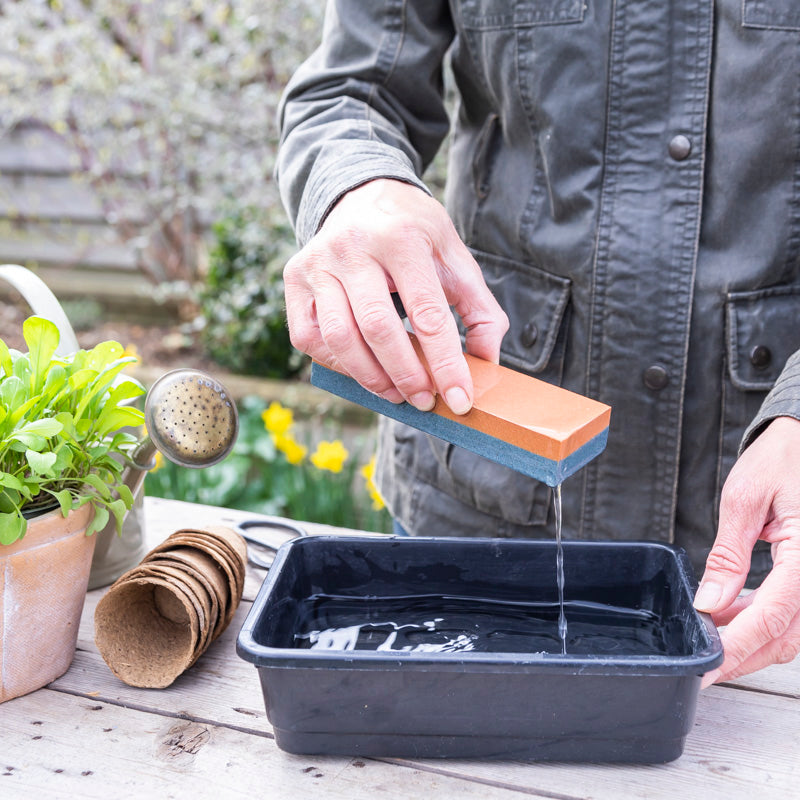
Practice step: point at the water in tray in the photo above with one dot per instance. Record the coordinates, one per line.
(446, 624)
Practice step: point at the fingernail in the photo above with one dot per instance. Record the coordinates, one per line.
(392, 395)
(709, 678)
(457, 399)
(424, 401)
(708, 596)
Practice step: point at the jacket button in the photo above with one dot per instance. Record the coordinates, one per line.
(760, 356)
(529, 335)
(680, 147)
(655, 377)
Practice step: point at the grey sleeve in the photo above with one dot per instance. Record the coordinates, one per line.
(782, 401)
(367, 104)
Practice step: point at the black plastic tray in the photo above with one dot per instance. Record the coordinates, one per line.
(581, 706)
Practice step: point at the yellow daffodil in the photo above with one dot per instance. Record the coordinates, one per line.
(131, 350)
(368, 473)
(293, 450)
(277, 419)
(330, 456)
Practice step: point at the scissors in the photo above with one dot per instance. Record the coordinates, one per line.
(263, 542)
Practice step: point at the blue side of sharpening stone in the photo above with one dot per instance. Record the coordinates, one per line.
(546, 470)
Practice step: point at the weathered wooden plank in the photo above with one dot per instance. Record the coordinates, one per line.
(94, 254)
(129, 295)
(35, 148)
(58, 745)
(742, 742)
(49, 197)
(744, 745)
(781, 679)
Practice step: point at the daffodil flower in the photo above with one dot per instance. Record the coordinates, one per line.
(293, 450)
(330, 456)
(277, 419)
(368, 473)
(131, 351)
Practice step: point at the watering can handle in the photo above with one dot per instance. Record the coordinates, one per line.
(42, 302)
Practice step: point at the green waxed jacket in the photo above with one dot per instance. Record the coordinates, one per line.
(627, 174)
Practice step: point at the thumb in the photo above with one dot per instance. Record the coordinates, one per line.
(742, 514)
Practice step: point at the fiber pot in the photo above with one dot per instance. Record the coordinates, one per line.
(43, 580)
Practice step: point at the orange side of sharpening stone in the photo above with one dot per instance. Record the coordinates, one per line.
(527, 412)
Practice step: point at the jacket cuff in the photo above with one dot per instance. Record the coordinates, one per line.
(782, 401)
(344, 165)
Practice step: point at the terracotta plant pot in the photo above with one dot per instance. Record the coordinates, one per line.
(43, 579)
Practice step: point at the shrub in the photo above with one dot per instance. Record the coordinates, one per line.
(242, 307)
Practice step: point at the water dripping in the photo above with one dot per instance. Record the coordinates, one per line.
(562, 617)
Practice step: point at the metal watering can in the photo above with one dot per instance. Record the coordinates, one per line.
(191, 420)
(113, 554)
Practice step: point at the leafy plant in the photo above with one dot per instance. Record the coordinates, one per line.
(242, 306)
(61, 421)
(275, 470)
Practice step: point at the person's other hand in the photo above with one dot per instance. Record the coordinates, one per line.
(760, 500)
(382, 237)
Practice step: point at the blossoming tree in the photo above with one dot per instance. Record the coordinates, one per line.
(169, 105)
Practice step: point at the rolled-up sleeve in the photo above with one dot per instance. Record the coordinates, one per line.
(367, 104)
(782, 401)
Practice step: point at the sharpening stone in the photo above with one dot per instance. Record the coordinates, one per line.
(534, 427)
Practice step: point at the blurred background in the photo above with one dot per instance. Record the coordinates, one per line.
(137, 144)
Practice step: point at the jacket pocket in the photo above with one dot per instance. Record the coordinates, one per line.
(778, 14)
(763, 331)
(497, 14)
(536, 302)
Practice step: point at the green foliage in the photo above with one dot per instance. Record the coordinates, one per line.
(242, 306)
(60, 428)
(271, 474)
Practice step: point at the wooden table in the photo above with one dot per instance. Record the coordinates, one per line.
(89, 735)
